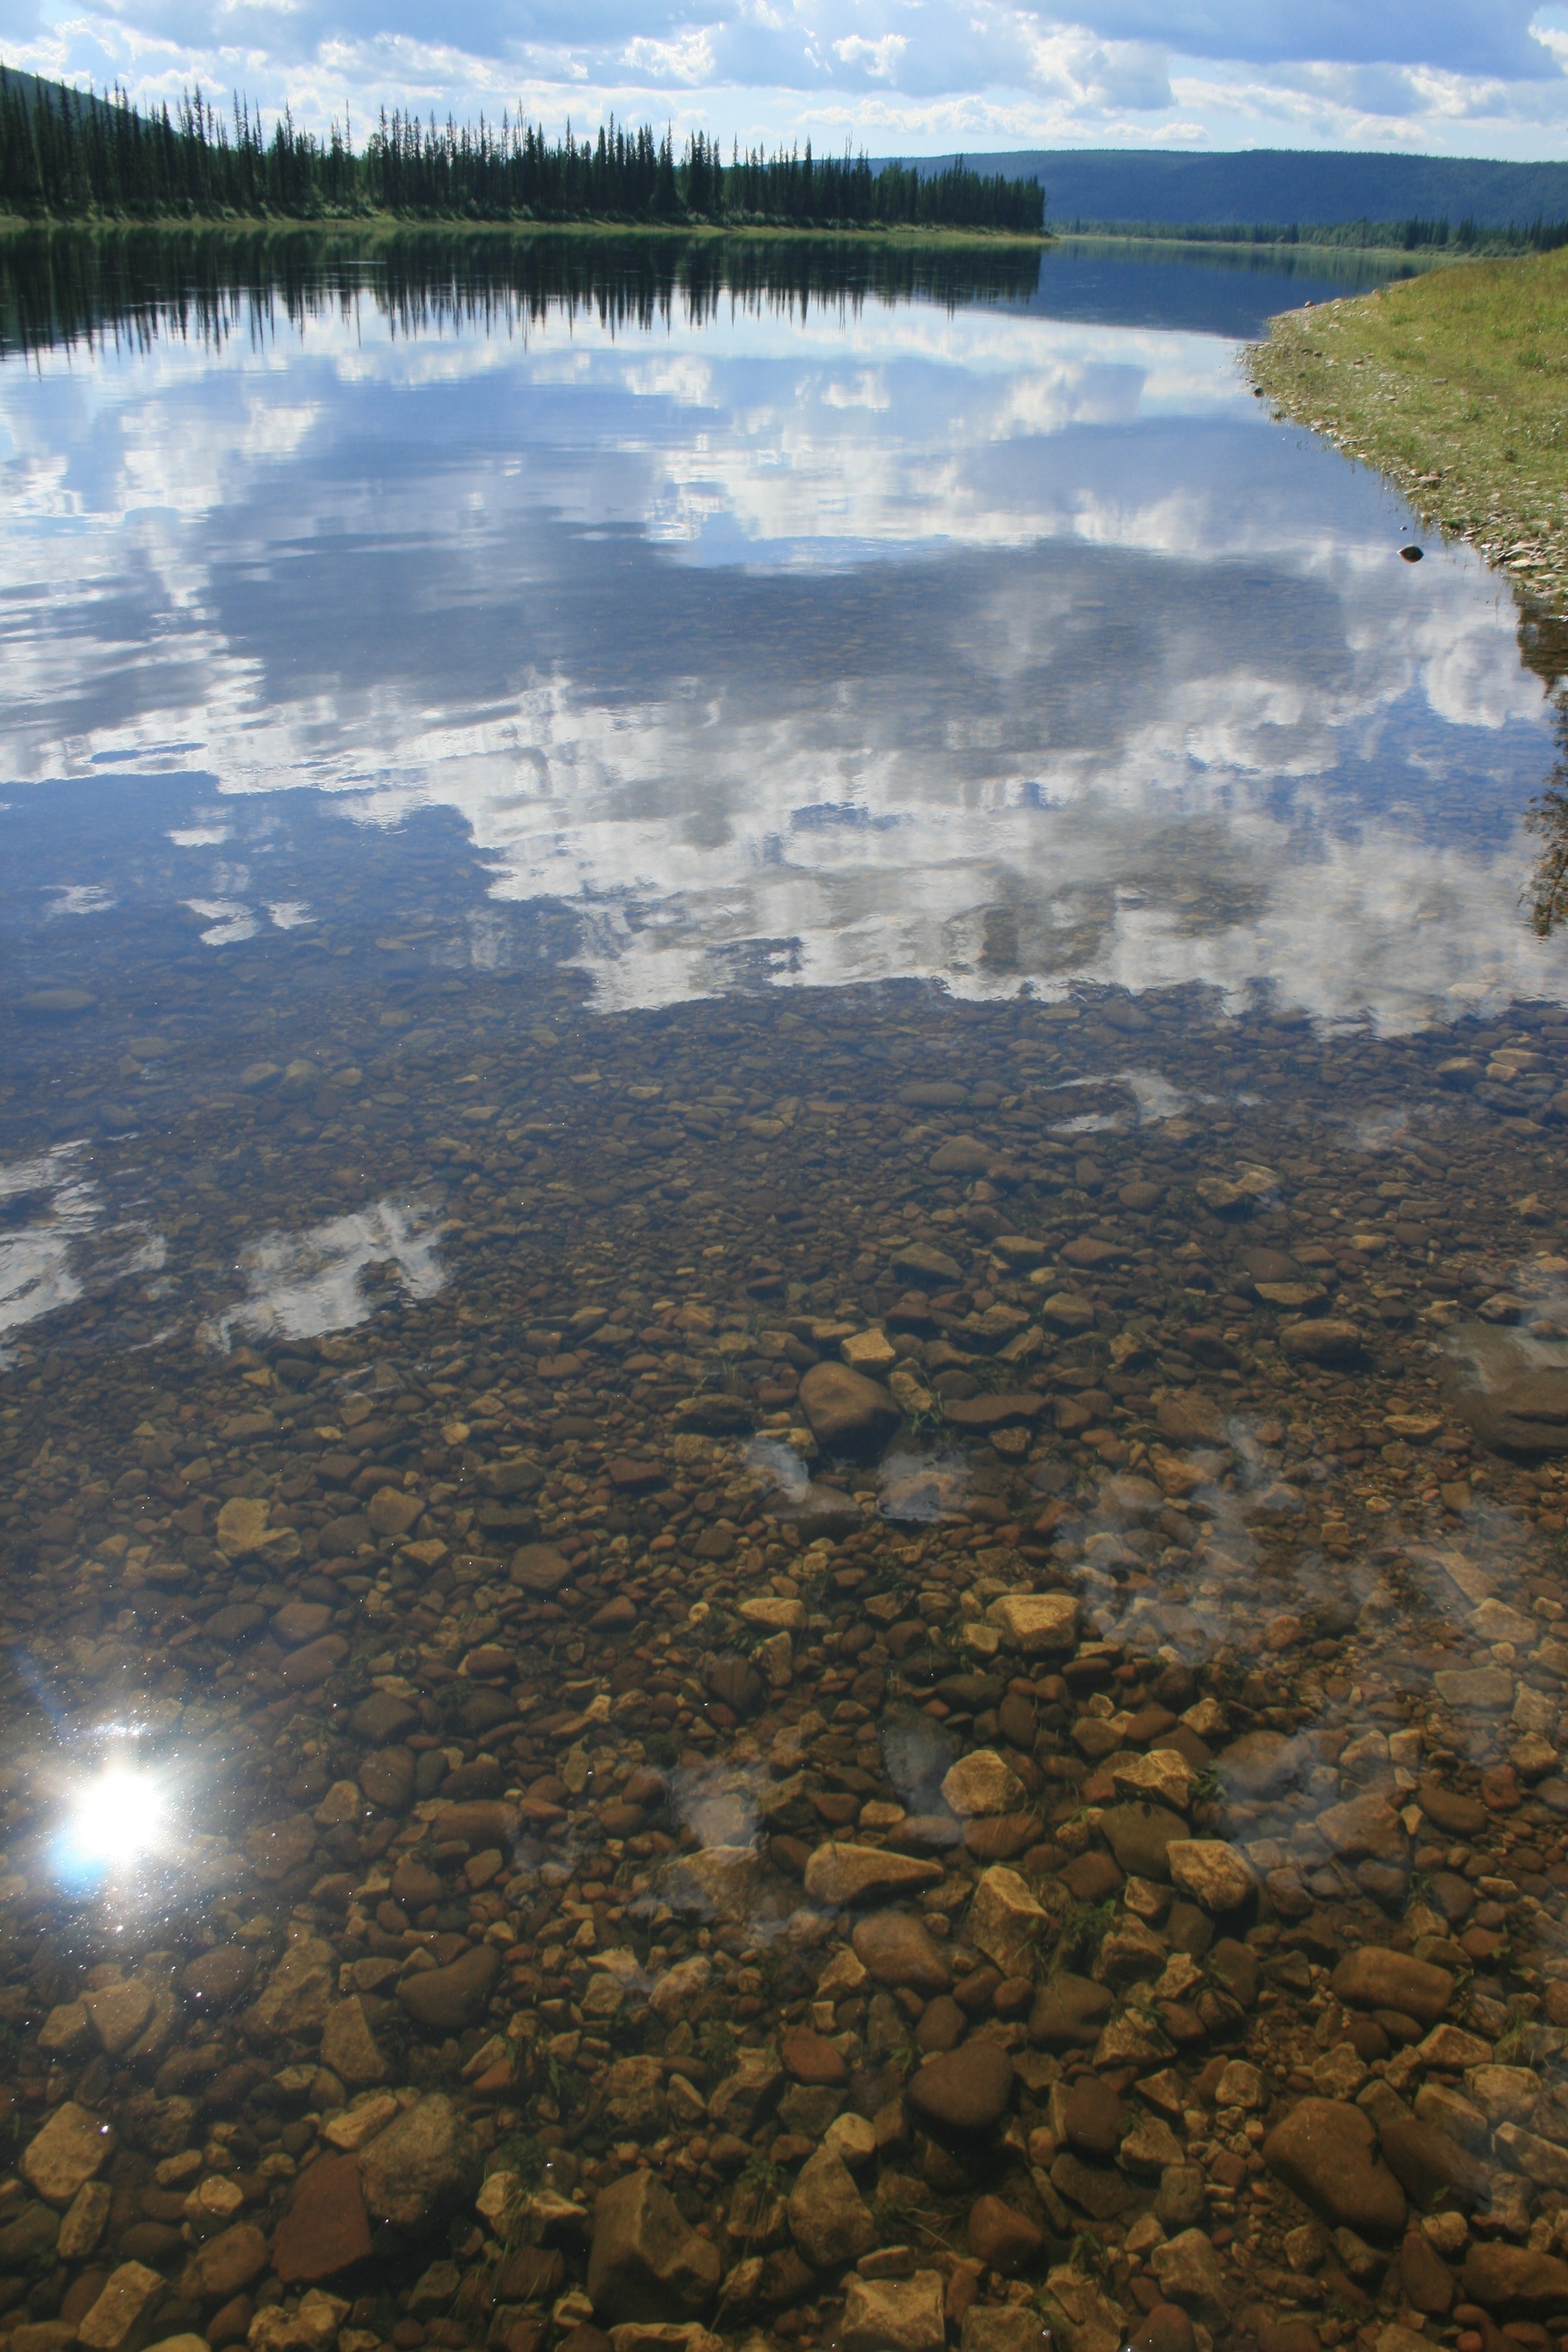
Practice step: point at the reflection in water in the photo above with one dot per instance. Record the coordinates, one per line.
(565, 889)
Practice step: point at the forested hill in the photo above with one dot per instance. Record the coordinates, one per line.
(66, 155)
(1270, 183)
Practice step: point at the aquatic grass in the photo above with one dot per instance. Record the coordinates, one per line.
(1453, 385)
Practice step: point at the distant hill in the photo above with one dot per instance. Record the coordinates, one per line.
(1279, 185)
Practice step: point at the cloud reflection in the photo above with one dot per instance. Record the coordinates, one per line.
(1118, 681)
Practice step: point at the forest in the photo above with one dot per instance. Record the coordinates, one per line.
(67, 155)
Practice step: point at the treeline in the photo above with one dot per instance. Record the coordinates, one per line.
(130, 287)
(1414, 236)
(68, 154)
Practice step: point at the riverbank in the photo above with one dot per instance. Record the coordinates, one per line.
(1452, 385)
(378, 227)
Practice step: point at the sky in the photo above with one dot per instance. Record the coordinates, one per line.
(912, 76)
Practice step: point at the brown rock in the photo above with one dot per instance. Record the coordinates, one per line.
(1445, 1809)
(387, 1778)
(1093, 2117)
(1515, 2282)
(224, 2264)
(810, 2057)
(1427, 2281)
(847, 1412)
(446, 2000)
(1069, 2013)
(1431, 2168)
(1326, 2150)
(1092, 1877)
(539, 1568)
(326, 2229)
(966, 2090)
(1003, 2239)
(1188, 1417)
(1167, 2328)
(646, 2261)
(299, 1622)
(308, 1668)
(216, 1979)
(897, 1950)
(1374, 1978)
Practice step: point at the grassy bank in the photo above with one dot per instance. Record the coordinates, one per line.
(1455, 386)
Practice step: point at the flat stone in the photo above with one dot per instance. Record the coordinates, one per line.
(70, 2149)
(215, 1980)
(965, 2090)
(1163, 1777)
(446, 2000)
(1069, 2013)
(1431, 2167)
(422, 2168)
(897, 2316)
(1189, 2273)
(1515, 2282)
(1003, 2239)
(1327, 2152)
(1371, 1979)
(393, 1513)
(1001, 2327)
(895, 1948)
(980, 1782)
(125, 2296)
(1364, 1827)
(1480, 1690)
(1211, 1872)
(1035, 1622)
(384, 1718)
(646, 2262)
(810, 2057)
(298, 1990)
(117, 2013)
(1140, 1835)
(847, 1412)
(326, 2229)
(1093, 2117)
(848, 1874)
(1261, 1764)
(995, 1409)
(1323, 1339)
(1515, 1404)
(539, 1569)
(224, 2264)
(1188, 1417)
(349, 2046)
(308, 1668)
(1095, 2190)
(828, 2219)
(386, 1778)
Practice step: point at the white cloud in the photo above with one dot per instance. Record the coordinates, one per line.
(1465, 76)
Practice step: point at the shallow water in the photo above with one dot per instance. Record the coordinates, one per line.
(579, 847)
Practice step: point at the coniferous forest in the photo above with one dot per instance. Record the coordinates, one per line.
(65, 154)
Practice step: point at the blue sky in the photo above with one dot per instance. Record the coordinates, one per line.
(1455, 77)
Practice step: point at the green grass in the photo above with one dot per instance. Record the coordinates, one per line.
(1455, 386)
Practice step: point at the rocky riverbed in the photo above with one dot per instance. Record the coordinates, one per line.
(875, 1675)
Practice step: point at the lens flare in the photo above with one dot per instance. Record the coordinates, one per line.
(113, 1821)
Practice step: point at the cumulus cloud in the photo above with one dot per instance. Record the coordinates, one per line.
(1471, 75)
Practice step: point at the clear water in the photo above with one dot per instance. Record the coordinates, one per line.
(561, 819)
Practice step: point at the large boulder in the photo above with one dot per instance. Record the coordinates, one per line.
(422, 2168)
(847, 1412)
(646, 2261)
(71, 2147)
(900, 2316)
(966, 2090)
(1326, 2150)
(897, 1949)
(326, 2229)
